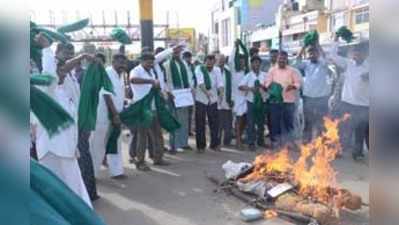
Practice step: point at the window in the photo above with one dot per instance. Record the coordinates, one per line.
(216, 28)
(231, 3)
(225, 32)
(238, 16)
(359, 2)
(338, 20)
(362, 16)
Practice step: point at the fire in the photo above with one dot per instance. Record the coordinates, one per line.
(312, 171)
(270, 214)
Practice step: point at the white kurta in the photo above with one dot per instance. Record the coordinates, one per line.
(99, 138)
(59, 153)
(240, 103)
(216, 83)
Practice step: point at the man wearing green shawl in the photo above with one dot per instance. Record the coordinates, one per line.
(177, 79)
(109, 107)
(225, 104)
(67, 63)
(209, 90)
(143, 80)
(255, 96)
(58, 153)
(238, 63)
(190, 67)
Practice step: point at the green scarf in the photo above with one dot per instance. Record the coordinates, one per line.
(94, 79)
(241, 46)
(207, 78)
(194, 76)
(228, 86)
(275, 91)
(41, 79)
(345, 34)
(51, 115)
(120, 35)
(140, 114)
(311, 38)
(54, 203)
(76, 26)
(179, 77)
(258, 106)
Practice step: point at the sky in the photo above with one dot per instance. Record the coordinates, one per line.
(191, 13)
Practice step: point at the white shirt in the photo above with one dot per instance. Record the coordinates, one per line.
(249, 81)
(161, 77)
(355, 90)
(141, 90)
(117, 97)
(63, 144)
(49, 66)
(240, 101)
(317, 80)
(216, 83)
(159, 58)
(189, 74)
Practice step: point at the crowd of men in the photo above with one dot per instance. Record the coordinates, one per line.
(234, 99)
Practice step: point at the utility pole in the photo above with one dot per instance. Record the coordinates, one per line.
(146, 24)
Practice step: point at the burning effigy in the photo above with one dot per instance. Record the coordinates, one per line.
(305, 185)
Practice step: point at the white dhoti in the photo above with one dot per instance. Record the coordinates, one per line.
(97, 150)
(67, 169)
(240, 105)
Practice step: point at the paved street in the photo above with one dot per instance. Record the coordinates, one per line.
(180, 194)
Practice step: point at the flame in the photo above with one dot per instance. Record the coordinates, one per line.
(270, 214)
(312, 171)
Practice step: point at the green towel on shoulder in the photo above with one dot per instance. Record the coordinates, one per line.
(94, 80)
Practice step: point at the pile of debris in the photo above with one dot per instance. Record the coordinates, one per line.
(304, 189)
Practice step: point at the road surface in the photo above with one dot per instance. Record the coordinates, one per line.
(180, 194)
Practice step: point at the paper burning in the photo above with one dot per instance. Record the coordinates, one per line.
(317, 193)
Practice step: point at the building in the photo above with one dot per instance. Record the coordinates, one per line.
(267, 23)
(225, 23)
(290, 22)
(353, 13)
(260, 23)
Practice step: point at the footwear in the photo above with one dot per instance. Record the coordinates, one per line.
(95, 198)
(120, 177)
(252, 148)
(142, 167)
(262, 145)
(161, 163)
(200, 150)
(216, 149)
(180, 150)
(132, 161)
(172, 152)
(358, 156)
(188, 147)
